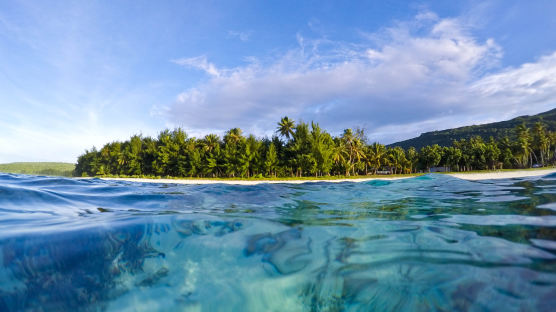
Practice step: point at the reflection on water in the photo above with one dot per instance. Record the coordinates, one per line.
(420, 244)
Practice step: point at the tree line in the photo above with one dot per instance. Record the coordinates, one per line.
(304, 149)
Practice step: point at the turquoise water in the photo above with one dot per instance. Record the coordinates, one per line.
(420, 244)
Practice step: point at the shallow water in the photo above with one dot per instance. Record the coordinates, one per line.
(427, 243)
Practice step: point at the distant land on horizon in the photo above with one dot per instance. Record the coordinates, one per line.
(39, 168)
(495, 129)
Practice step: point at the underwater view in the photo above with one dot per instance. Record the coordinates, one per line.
(427, 243)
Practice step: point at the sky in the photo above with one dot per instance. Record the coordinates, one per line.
(78, 74)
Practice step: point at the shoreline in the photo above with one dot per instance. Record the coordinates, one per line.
(246, 182)
(493, 175)
(472, 176)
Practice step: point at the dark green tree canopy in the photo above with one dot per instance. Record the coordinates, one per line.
(310, 150)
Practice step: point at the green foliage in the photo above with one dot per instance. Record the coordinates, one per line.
(285, 127)
(497, 130)
(430, 156)
(309, 151)
(39, 168)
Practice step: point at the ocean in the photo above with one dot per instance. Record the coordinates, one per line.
(428, 243)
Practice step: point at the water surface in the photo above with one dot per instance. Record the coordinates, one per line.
(420, 244)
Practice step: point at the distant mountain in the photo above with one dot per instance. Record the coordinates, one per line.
(495, 129)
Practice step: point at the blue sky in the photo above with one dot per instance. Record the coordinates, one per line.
(74, 74)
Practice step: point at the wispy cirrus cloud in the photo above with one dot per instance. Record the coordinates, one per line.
(199, 62)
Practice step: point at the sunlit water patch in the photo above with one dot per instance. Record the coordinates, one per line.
(420, 244)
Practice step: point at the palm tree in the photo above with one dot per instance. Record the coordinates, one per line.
(552, 142)
(358, 152)
(271, 160)
(430, 155)
(524, 144)
(541, 141)
(397, 159)
(339, 153)
(211, 147)
(413, 157)
(285, 127)
(210, 143)
(376, 156)
(353, 145)
(233, 136)
(492, 154)
(321, 144)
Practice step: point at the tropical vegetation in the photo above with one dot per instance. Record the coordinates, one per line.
(497, 130)
(39, 168)
(302, 149)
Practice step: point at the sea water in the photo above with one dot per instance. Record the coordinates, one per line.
(420, 244)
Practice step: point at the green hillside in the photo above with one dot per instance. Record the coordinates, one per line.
(39, 168)
(495, 129)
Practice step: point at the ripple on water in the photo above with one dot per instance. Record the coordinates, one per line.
(427, 243)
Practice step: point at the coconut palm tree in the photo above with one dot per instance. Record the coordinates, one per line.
(524, 145)
(354, 148)
(376, 156)
(552, 143)
(285, 127)
(233, 136)
(211, 142)
(397, 159)
(541, 141)
(412, 157)
(339, 154)
(211, 148)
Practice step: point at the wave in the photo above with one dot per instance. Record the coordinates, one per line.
(415, 244)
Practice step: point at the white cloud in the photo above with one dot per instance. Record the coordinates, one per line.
(241, 35)
(199, 62)
(529, 84)
(424, 74)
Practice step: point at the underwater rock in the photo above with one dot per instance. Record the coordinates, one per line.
(186, 228)
(288, 251)
(72, 271)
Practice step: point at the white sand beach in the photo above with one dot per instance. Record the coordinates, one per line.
(246, 182)
(487, 175)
